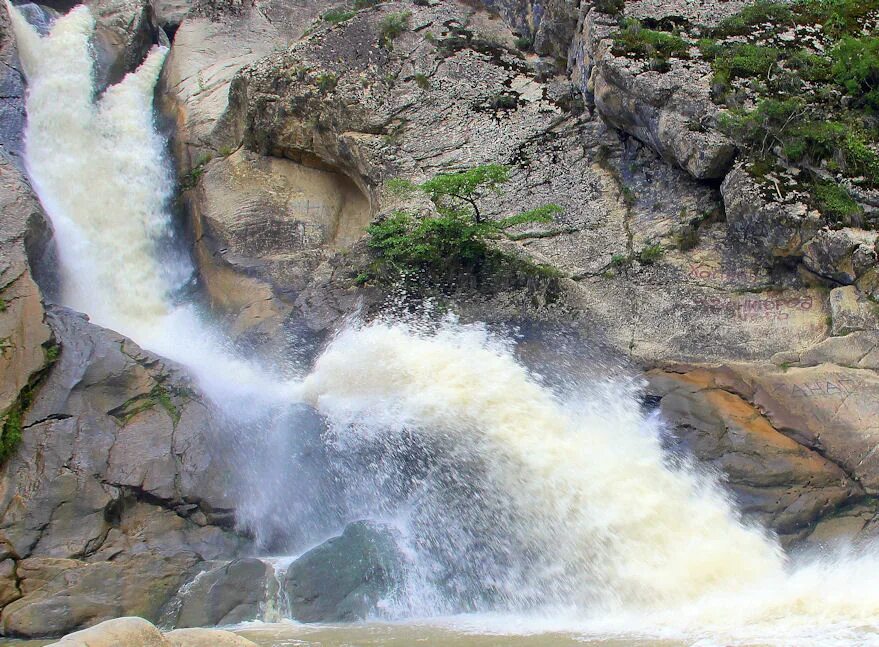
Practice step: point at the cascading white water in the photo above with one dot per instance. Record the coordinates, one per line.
(522, 501)
(635, 545)
(99, 167)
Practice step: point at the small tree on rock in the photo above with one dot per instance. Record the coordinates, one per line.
(457, 237)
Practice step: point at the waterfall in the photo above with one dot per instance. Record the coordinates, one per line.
(511, 496)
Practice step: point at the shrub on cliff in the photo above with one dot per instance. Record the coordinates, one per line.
(856, 68)
(457, 237)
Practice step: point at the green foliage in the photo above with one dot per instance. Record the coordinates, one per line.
(457, 237)
(159, 396)
(365, 4)
(809, 66)
(763, 127)
(335, 16)
(421, 81)
(759, 13)
(610, 7)
(738, 60)
(856, 68)
(837, 204)
(620, 260)
(836, 16)
(10, 435)
(52, 353)
(392, 26)
(523, 43)
(656, 46)
(544, 213)
(327, 82)
(650, 254)
(2, 305)
(400, 187)
(687, 238)
(457, 193)
(406, 242)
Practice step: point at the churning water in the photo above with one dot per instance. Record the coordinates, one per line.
(522, 508)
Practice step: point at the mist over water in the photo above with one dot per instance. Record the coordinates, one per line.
(526, 507)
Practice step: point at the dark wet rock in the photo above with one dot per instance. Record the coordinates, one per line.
(345, 578)
(224, 595)
(546, 26)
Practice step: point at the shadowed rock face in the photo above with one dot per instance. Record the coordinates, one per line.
(24, 335)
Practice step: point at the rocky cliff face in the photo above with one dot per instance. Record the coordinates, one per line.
(752, 313)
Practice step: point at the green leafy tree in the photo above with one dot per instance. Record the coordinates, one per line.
(458, 234)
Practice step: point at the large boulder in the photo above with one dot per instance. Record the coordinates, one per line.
(785, 485)
(137, 632)
(132, 632)
(669, 110)
(345, 578)
(228, 594)
(764, 213)
(117, 492)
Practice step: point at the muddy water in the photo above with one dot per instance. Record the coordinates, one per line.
(395, 635)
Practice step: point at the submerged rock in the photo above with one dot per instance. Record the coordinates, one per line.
(347, 577)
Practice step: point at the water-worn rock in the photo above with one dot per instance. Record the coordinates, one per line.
(109, 503)
(852, 312)
(832, 409)
(345, 578)
(137, 632)
(24, 335)
(228, 594)
(124, 32)
(131, 632)
(841, 255)
(782, 483)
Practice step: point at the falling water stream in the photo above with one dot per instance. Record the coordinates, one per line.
(542, 515)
